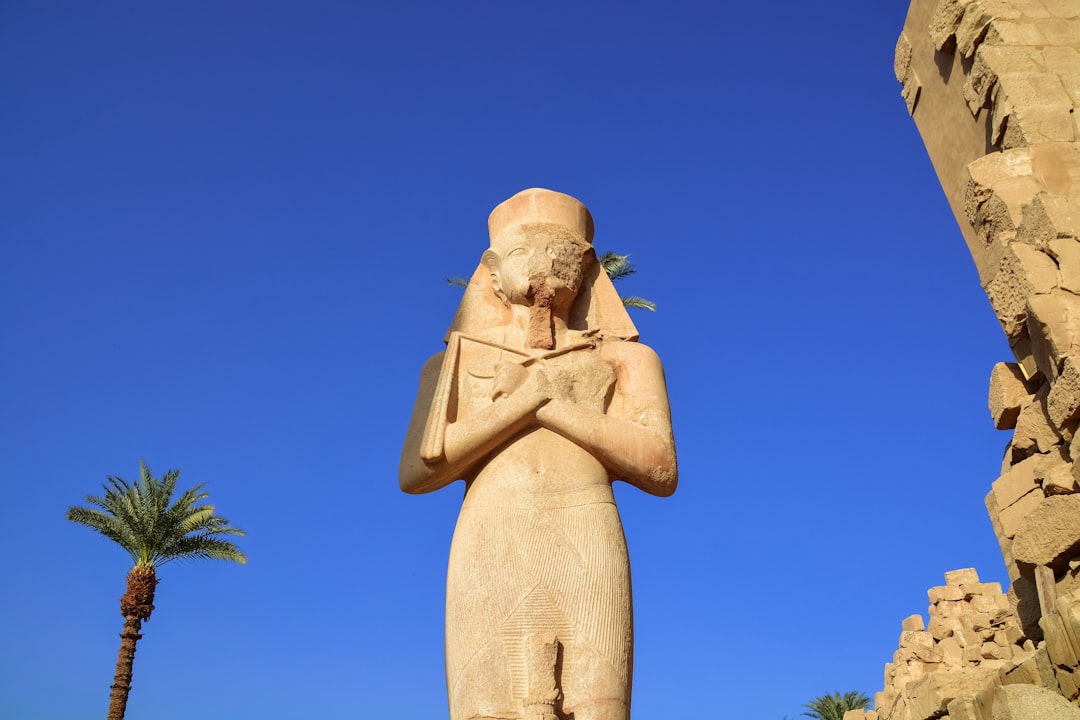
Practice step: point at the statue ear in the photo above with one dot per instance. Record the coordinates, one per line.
(482, 306)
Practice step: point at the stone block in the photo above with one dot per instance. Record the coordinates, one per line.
(944, 592)
(1050, 533)
(1021, 479)
(1054, 327)
(944, 20)
(1024, 271)
(1012, 34)
(1060, 31)
(952, 652)
(913, 622)
(1068, 608)
(986, 604)
(930, 655)
(1059, 480)
(859, 715)
(1024, 599)
(1035, 432)
(1060, 8)
(963, 708)
(1004, 542)
(1013, 516)
(994, 59)
(1068, 682)
(1030, 668)
(964, 576)
(1066, 251)
(980, 622)
(930, 696)
(1065, 63)
(1034, 124)
(1028, 702)
(1058, 645)
(1063, 400)
(941, 628)
(902, 57)
(949, 609)
(916, 638)
(1008, 391)
(977, 16)
(979, 588)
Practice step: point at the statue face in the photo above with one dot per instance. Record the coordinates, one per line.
(526, 263)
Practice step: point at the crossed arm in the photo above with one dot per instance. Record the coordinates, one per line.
(633, 439)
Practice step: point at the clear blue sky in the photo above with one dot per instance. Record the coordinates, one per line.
(224, 229)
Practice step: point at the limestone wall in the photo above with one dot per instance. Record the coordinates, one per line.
(994, 87)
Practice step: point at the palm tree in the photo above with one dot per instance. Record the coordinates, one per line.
(833, 707)
(616, 266)
(140, 519)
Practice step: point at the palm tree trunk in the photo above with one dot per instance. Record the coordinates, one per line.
(136, 604)
(124, 665)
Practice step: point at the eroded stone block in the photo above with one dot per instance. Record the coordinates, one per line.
(1008, 393)
(1054, 327)
(1028, 702)
(1049, 532)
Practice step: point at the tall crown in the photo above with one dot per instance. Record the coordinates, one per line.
(537, 205)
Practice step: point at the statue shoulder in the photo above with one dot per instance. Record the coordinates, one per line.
(626, 352)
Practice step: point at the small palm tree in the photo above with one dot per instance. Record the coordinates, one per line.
(139, 518)
(833, 707)
(615, 266)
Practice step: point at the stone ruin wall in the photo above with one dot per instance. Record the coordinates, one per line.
(994, 88)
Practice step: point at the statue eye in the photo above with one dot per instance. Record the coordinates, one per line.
(517, 252)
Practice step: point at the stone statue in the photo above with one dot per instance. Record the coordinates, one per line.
(541, 399)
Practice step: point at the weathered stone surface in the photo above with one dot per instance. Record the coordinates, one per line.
(1049, 531)
(1028, 702)
(1063, 400)
(1066, 252)
(1024, 271)
(1058, 644)
(1013, 516)
(860, 715)
(929, 696)
(944, 592)
(997, 109)
(528, 366)
(944, 21)
(963, 576)
(1035, 431)
(1054, 326)
(913, 622)
(1008, 393)
(1058, 479)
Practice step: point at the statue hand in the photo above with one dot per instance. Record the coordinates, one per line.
(509, 376)
(529, 389)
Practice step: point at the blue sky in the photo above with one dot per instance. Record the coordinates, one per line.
(224, 229)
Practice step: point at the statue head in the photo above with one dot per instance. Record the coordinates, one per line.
(541, 255)
(540, 247)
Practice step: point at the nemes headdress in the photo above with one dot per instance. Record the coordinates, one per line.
(597, 306)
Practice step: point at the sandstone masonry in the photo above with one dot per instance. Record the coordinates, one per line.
(994, 88)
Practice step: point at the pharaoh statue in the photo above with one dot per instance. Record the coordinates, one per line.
(540, 401)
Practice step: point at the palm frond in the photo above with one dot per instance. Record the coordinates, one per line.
(205, 547)
(460, 282)
(151, 527)
(639, 303)
(616, 266)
